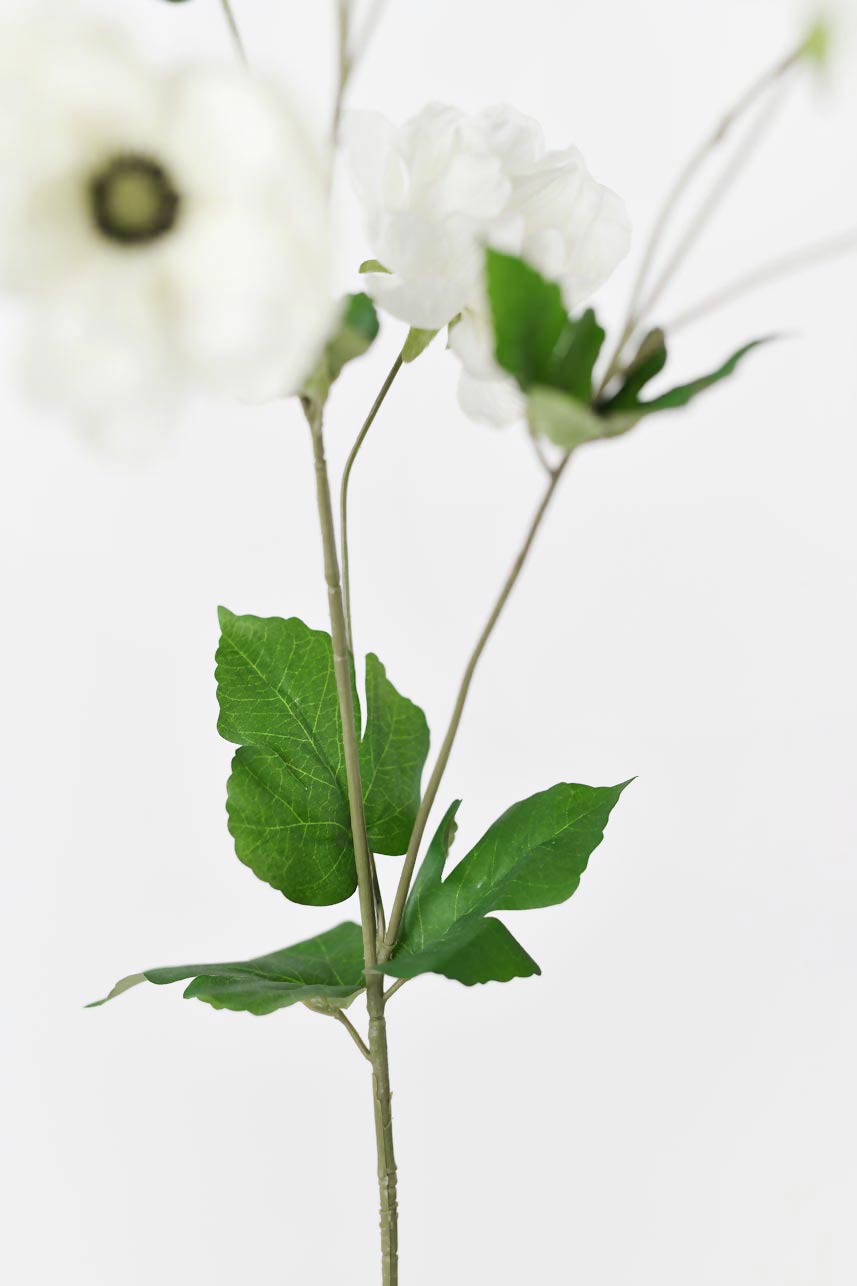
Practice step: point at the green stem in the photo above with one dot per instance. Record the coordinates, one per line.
(449, 740)
(234, 30)
(378, 1055)
(383, 1106)
(709, 145)
(343, 493)
(345, 67)
(765, 275)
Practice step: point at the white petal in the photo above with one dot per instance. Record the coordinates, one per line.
(377, 169)
(251, 314)
(516, 139)
(497, 402)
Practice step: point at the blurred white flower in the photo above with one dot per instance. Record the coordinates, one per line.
(444, 186)
(167, 231)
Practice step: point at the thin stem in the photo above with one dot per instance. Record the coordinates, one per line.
(346, 66)
(709, 207)
(234, 30)
(397, 986)
(353, 1033)
(370, 26)
(709, 145)
(382, 1095)
(343, 493)
(449, 740)
(766, 274)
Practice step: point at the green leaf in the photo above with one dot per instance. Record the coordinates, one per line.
(650, 360)
(536, 341)
(819, 40)
(357, 331)
(392, 757)
(326, 970)
(417, 343)
(685, 393)
(287, 797)
(529, 317)
(372, 265)
(627, 399)
(533, 856)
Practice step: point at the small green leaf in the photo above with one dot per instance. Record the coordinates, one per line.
(819, 40)
(627, 399)
(650, 360)
(326, 971)
(372, 265)
(392, 757)
(533, 856)
(417, 343)
(357, 331)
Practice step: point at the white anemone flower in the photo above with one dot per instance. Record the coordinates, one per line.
(445, 185)
(168, 231)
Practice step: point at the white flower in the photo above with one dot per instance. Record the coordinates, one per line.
(444, 186)
(167, 231)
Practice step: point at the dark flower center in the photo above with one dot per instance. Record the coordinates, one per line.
(133, 200)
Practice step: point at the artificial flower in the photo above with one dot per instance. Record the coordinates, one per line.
(168, 231)
(445, 185)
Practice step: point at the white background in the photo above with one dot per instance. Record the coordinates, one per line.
(672, 1102)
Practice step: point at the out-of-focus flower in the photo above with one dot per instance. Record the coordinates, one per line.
(444, 186)
(167, 231)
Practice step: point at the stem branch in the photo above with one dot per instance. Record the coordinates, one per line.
(787, 265)
(353, 1033)
(343, 493)
(449, 740)
(234, 30)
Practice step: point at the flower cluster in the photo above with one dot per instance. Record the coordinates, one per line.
(445, 185)
(166, 230)
(171, 230)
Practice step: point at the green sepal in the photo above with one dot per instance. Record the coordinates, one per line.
(533, 856)
(357, 330)
(372, 265)
(325, 972)
(817, 45)
(568, 423)
(416, 343)
(627, 399)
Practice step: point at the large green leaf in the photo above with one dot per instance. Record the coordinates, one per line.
(326, 971)
(533, 856)
(393, 753)
(287, 798)
(536, 340)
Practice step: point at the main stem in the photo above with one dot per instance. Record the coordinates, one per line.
(382, 1096)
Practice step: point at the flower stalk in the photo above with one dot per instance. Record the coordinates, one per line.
(378, 1051)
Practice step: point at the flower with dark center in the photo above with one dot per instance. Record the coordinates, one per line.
(133, 201)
